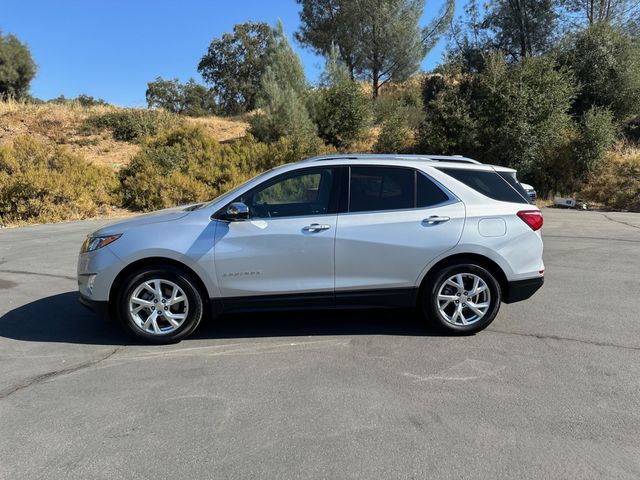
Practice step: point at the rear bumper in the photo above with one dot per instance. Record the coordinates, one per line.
(522, 289)
(100, 308)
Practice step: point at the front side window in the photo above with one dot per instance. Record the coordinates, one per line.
(299, 193)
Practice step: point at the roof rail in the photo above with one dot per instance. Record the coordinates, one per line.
(387, 156)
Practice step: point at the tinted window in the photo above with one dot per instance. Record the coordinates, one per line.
(300, 193)
(515, 184)
(428, 193)
(381, 188)
(487, 183)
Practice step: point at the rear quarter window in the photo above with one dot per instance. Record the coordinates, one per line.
(488, 183)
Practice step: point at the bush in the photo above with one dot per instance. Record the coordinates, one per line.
(395, 135)
(341, 109)
(616, 184)
(187, 165)
(449, 126)
(81, 100)
(596, 135)
(46, 183)
(606, 63)
(406, 96)
(132, 125)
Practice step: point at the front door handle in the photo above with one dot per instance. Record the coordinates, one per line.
(435, 220)
(316, 227)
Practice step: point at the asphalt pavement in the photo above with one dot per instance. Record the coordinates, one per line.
(550, 390)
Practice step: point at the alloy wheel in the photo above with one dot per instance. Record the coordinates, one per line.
(158, 306)
(463, 299)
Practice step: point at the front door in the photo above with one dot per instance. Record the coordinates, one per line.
(285, 250)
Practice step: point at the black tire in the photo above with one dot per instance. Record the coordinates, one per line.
(429, 299)
(172, 274)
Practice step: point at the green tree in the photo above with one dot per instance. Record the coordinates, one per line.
(234, 65)
(606, 63)
(190, 98)
(523, 115)
(514, 114)
(342, 110)
(379, 40)
(620, 13)
(282, 98)
(522, 27)
(17, 68)
(450, 126)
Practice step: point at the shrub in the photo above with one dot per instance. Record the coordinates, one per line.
(406, 96)
(132, 125)
(616, 184)
(395, 135)
(606, 63)
(187, 165)
(341, 109)
(46, 183)
(596, 135)
(82, 100)
(449, 126)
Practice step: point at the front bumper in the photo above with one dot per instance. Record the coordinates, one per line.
(519, 290)
(100, 308)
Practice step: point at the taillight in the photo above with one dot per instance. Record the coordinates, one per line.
(533, 218)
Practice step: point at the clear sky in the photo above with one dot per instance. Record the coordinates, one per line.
(112, 48)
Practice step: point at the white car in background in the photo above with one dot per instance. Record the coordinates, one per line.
(445, 235)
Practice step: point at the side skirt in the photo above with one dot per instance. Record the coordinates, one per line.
(378, 298)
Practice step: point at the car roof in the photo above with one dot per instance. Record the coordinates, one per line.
(453, 161)
(394, 156)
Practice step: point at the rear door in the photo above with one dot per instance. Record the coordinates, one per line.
(397, 220)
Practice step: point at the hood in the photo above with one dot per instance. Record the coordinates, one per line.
(526, 186)
(165, 215)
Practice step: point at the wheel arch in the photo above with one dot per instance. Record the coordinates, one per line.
(154, 261)
(458, 258)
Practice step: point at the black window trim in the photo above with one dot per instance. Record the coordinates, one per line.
(492, 170)
(335, 192)
(452, 198)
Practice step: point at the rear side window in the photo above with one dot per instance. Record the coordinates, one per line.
(381, 188)
(428, 193)
(516, 185)
(488, 183)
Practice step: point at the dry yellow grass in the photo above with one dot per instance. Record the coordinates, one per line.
(62, 124)
(221, 128)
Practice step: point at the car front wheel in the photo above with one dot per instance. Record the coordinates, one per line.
(160, 304)
(462, 299)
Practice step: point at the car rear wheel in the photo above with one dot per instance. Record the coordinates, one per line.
(160, 304)
(462, 299)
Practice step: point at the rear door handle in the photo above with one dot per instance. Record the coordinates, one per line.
(435, 220)
(316, 227)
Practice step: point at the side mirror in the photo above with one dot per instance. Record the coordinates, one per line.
(235, 212)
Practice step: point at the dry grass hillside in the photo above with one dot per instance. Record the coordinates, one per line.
(66, 125)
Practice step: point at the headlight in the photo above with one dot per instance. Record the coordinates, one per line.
(94, 243)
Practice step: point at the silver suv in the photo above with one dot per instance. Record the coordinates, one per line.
(446, 235)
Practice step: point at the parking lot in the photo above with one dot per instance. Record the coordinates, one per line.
(550, 390)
